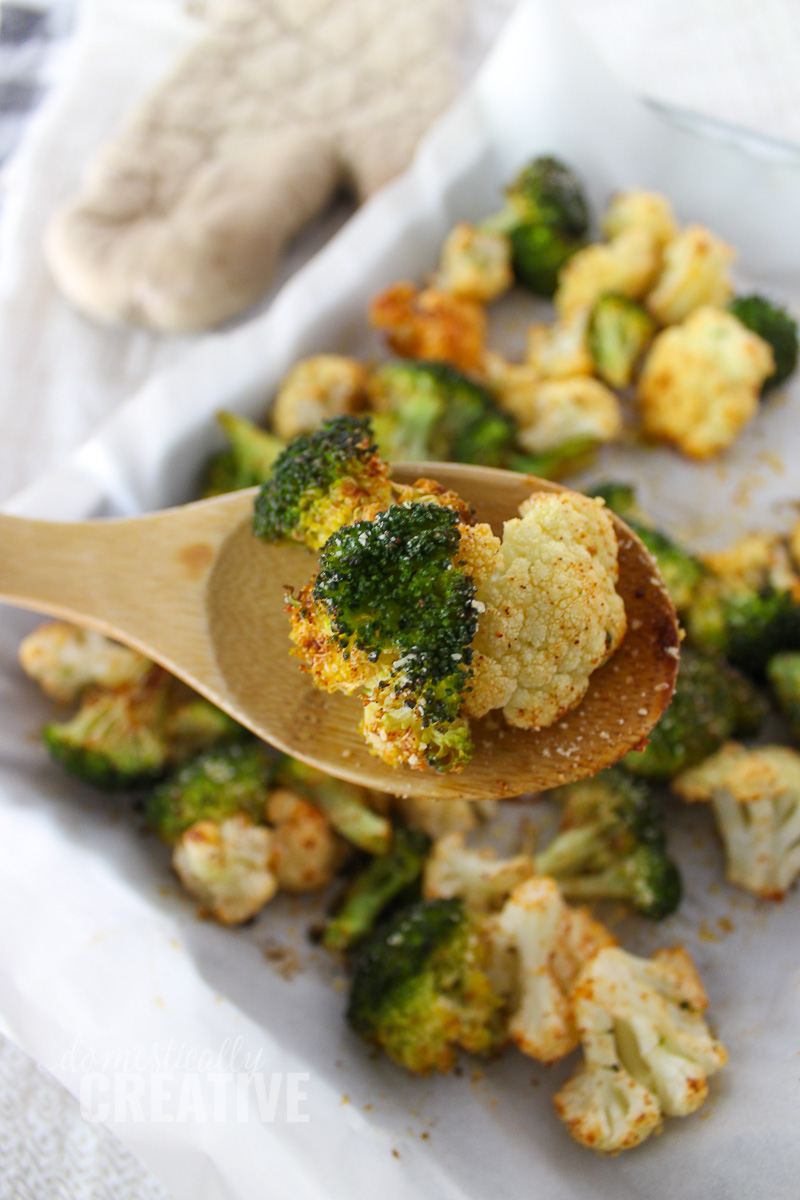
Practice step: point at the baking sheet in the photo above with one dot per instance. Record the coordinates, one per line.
(108, 979)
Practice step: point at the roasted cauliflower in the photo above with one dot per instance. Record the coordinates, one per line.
(431, 324)
(320, 387)
(478, 877)
(755, 795)
(226, 866)
(701, 381)
(628, 264)
(475, 264)
(695, 274)
(640, 210)
(66, 660)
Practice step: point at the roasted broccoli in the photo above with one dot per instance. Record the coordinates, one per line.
(420, 989)
(248, 459)
(681, 571)
(618, 334)
(612, 846)
(712, 702)
(194, 724)
(345, 805)
(117, 739)
(213, 786)
(546, 218)
(748, 606)
(776, 327)
(322, 481)
(374, 888)
(432, 411)
(391, 611)
(783, 673)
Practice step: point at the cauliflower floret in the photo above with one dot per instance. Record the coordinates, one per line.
(640, 210)
(647, 1049)
(431, 324)
(306, 853)
(701, 382)
(66, 660)
(794, 545)
(326, 385)
(560, 350)
(696, 273)
(475, 264)
(535, 939)
(226, 866)
(551, 616)
(565, 411)
(440, 817)
(629, 264)
(481, 879)
(754, 562)
(755, 795)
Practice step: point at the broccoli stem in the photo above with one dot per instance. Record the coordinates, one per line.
(569, 852)
(374, 888)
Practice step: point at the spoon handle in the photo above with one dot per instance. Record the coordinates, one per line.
(141, 580)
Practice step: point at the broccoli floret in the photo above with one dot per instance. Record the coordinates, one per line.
(618, 334)
(248, 459)
(747, 625)
(320, 482)
(344, 804)
(117, 739)
(433, 411)
(546, 218)
(420, 989)
(213, 786)
(783, 673)
(562, 460)
(375, 887)
(391, 592)
(195, 724)
(712, 702)
(681, 571)
(612, 846)
(776, 327)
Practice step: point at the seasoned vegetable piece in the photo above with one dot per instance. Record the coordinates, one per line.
(66, 660)
(647, 1050)
(776, 327)
(783, 673)
(226, 867)
(316, 389)
(248, 459)
(712, 702)
(478, 877)
(431, 324)
(420, 989)
(345, 805)
(612, 846)
(755, 795)
(376, 887)
(640, 210)
(696, 273)
(432, 411)
(475, 264)
(213, 786)
(627, 265)
(306, 852)
(619, 332)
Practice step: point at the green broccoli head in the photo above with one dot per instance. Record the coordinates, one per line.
(548, 192)
(712, 702)
(320, 482)
(745, 625)
(213, 786)
(612, 846)
(546, 218)
(377, 886)
(619, 332)
(117, 739)
(776, 327)
(195, 724)
(681, 571)
(248, 459)
(436, 412)
(783, 673)
(420, 989)
(391, 589)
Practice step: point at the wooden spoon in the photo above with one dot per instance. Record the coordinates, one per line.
(194, 590)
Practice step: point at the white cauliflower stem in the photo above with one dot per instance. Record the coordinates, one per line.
(550, 612)
(647, 1049)
(226, 867)
(755, 795)
(547, 943)
(478, 877)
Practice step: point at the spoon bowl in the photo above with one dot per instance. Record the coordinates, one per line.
(195, 590)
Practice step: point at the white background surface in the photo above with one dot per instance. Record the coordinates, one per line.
(733, 59)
